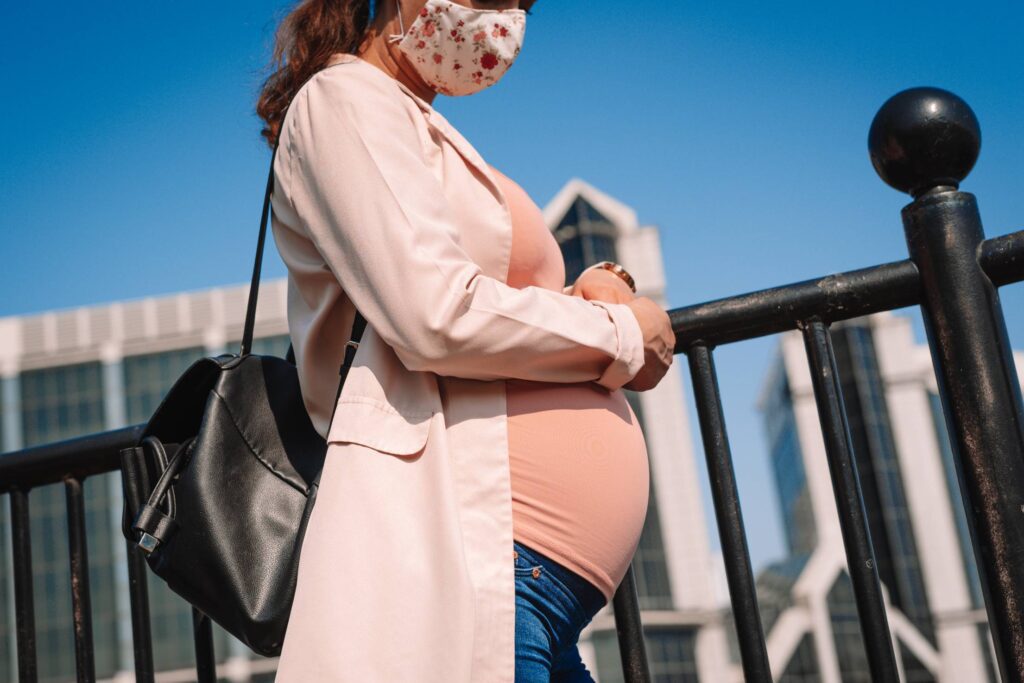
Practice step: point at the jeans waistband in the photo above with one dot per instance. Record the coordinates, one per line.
(587, 595)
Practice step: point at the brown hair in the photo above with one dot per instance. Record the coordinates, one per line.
(305, 40)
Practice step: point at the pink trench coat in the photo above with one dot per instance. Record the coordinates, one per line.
(406, 571)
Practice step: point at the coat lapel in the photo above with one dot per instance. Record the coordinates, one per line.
(490, 252)
(490, 244)
(461, 145)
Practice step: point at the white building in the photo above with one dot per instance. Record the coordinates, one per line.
(71, 372)
(915, 515)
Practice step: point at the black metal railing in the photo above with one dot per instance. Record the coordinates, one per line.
(923, 141)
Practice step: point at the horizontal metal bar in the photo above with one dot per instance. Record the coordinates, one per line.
(832, 298)
(80, 457)
(835, 297)
(1002, 258)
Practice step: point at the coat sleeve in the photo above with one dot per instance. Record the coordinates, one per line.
(361, 186)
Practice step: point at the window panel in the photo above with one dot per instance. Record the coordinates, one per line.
(671, 655)
(803, 665)
(148, 378)
(272, 346)
(956, 501)
(849, 642)
(276, 345)
(585, 237)
(881, 480)
(56, 404)
(788, 468)
(650, 567)
(915, 671)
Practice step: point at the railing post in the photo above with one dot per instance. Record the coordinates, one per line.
(206, 661)
(853, 518)
(630, 631)
(729, 516)
(24, 601)
(925, 141)
(81, 600)
(138, 592)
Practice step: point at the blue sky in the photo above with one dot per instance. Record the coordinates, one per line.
(133, 166)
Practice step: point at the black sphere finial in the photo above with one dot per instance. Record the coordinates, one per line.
(924, 138)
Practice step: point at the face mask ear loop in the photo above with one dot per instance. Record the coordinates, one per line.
(395, 37)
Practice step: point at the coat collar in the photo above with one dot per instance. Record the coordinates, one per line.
(440, 123)
(436, 120)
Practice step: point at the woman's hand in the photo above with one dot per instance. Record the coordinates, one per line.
(659, 343)
(659, 339)
(599, 284)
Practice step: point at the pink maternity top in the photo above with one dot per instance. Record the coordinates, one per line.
(577, 457)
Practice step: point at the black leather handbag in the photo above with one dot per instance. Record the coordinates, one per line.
(221, 484)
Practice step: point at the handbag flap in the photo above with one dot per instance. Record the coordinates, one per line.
(263, 396)
(181, 411)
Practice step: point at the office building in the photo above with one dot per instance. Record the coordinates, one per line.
(915, 516)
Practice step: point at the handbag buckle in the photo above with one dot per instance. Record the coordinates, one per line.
(353, 344)
(148, 543)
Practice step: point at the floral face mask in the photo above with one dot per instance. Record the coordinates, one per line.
(460, 50)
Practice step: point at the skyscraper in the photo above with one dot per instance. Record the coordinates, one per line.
(65, 373)
(914, 511)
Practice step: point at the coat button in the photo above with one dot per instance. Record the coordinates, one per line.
(536, 572)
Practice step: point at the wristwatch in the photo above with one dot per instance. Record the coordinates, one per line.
(618, 270)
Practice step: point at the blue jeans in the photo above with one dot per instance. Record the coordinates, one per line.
(553, 604)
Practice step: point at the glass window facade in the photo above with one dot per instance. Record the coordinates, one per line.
(649, 563)
(147, 379)
(775, 588)
(914, 671)
(60, 403)
(272, 346)
(803, 665)
(988, 654)
(849, 643)
(956, 502)
(881, 481)
(671, 654)
(276, 345)
(788, 466)
(585, 237)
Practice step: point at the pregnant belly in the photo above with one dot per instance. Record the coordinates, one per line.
(580, 476)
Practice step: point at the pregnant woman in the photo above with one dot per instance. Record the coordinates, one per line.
(486, 481)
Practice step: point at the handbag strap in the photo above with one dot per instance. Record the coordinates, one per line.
(358, 324)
